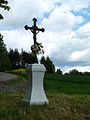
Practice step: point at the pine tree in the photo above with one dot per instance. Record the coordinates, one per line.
(59, 71)
(4, 59)
(14, 57)
(43, 61)
(49, 66)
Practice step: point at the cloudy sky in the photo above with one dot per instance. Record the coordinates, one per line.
(66, 39)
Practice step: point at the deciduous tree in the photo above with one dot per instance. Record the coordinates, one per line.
(4, 5)
(26, 58)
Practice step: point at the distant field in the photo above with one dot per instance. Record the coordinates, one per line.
(68, 84)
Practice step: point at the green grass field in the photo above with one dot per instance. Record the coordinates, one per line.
(68, 95)
(68, 84)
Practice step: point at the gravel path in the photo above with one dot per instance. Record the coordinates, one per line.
(4, 87)
(10, 88)
(6, 76)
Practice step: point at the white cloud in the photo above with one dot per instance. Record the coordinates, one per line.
(61, 20)
(17, 39)
(74, 5)
(84, 31)
(78, 55)
(22, 12)
(65, 46)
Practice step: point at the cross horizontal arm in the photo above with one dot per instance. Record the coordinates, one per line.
(27, 27)
(41, 29)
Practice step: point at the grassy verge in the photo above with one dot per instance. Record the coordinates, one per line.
(69, 99)
(61, 107)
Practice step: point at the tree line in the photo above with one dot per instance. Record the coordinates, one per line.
(76, 72)
(21, 60)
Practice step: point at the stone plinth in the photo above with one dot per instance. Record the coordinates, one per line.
(35, 92)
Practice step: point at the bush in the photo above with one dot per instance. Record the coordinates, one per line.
(20, 72)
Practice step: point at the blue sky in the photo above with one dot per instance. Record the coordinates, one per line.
(67, 30)
(85, 13)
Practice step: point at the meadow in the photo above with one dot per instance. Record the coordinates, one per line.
(68, 95)
(67, 84)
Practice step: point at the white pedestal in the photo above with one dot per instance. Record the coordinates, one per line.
(35, 92)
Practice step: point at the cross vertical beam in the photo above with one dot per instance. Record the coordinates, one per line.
(34, 30)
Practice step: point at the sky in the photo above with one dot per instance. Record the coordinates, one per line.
(66, 39)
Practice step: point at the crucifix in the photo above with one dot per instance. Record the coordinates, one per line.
(34, 29)
(35, 73)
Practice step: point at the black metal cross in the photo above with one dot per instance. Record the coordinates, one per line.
(34, 29)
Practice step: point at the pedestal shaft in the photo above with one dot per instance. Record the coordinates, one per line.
(35, 92)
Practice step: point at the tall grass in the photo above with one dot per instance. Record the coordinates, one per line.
(61, 107)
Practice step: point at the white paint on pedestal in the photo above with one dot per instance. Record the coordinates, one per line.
(35, 92)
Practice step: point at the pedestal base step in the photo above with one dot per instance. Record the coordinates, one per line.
(35, 102)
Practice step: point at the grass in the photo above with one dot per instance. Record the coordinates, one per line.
(67, 84)
(69, 99)
(61, 107)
